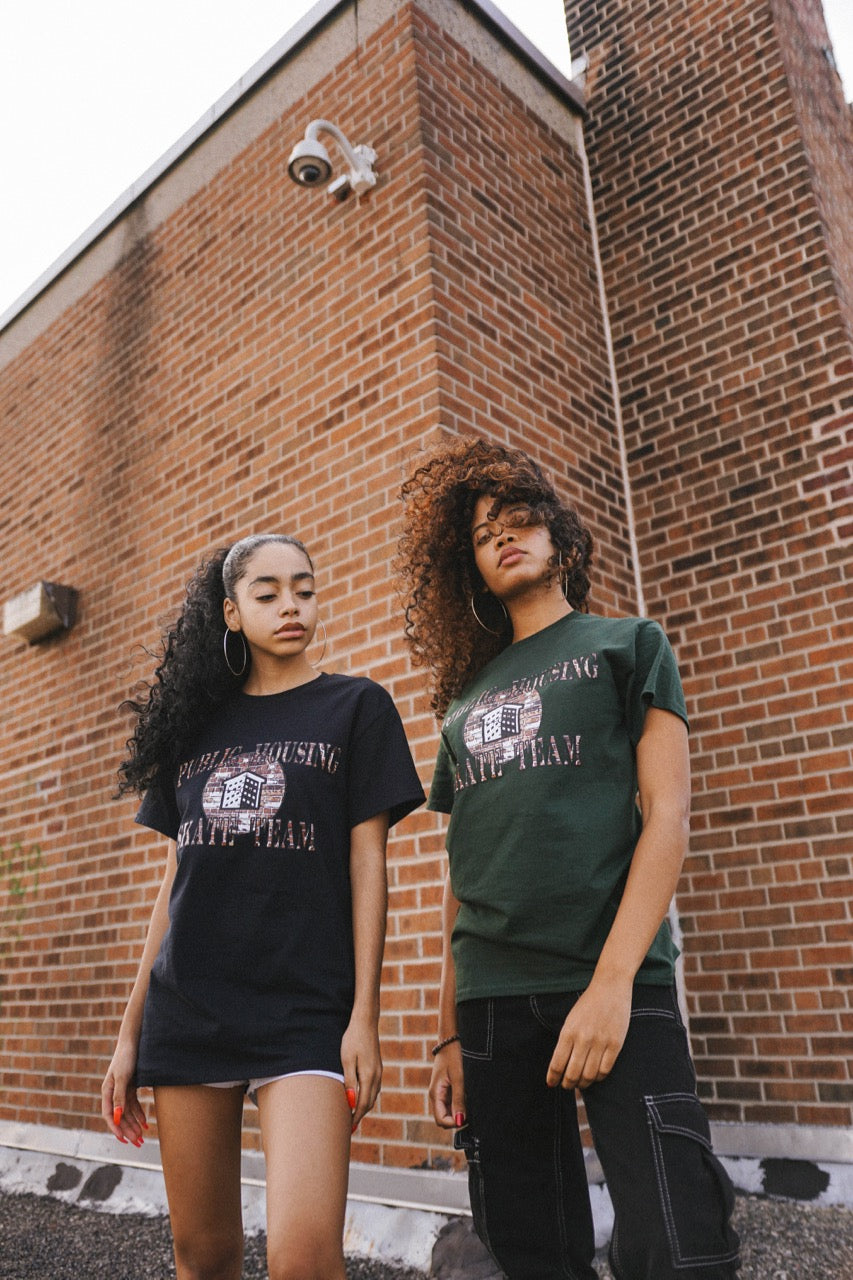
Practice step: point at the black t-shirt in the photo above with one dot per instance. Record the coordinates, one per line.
(255, 974)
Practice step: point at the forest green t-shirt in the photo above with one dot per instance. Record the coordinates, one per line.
(537, 769)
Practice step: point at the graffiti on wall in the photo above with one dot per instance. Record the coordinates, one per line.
(20, 869)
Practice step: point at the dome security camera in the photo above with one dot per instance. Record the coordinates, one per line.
(309, 164)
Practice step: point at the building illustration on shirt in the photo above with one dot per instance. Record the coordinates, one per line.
(502, 722)
(242, 791)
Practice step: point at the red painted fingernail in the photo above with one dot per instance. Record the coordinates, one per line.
(351, 1099)
(459, 1119)
(117, 1115)
(353, 1129)
(138, 1142)
(144, 1123)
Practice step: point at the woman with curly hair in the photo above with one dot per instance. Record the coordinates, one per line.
(563, 765)
(275, 786)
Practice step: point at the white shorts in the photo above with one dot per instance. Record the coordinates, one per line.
(252, 1086)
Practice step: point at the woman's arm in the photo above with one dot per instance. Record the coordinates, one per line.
(447, 1090)
(360, 1055)
(118, 1093)
(595, 1030)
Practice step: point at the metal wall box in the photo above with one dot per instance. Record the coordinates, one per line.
(40, 611)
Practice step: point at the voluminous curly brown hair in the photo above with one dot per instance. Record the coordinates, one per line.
(435, 557)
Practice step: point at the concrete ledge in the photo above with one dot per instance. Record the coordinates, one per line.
(784, 1141)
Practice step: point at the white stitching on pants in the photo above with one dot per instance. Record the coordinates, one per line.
(534, 1009)
(663, 1191)
(477, 1178)
(666, 1126)
(679, 1261)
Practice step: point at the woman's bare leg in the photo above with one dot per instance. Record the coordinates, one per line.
(305, 1124)
(200, 1135)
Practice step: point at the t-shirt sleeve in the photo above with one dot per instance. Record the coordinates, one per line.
(159, 811)
(382, 774)
(655, 681)
(441, 789)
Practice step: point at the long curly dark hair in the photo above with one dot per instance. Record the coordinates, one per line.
(192, 677)
(435, 564)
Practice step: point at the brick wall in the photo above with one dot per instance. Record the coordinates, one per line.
(826, 125)
(266, 358)
(731, 331)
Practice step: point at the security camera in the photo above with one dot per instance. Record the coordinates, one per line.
(309, 163)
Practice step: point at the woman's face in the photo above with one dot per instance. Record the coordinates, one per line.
(275, 605)
(512, 555)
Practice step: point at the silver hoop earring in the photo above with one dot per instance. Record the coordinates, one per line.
(242, 670)
(480, 620)
(321, 623)
(564, 583)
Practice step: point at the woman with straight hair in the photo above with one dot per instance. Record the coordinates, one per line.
(275, 786)
(563, 765)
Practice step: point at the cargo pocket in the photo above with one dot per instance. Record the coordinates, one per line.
(696, 1195)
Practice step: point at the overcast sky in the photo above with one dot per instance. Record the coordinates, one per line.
(93, 92)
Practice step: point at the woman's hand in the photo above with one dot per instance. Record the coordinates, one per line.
(592, 1035)
(447, 1088)
(120, 1107)
(362, 1063)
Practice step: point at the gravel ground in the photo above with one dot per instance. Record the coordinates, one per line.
(42, 1238)
(790, 1240)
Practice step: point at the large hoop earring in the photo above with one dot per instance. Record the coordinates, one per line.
(480, 620)
(233, 671)
(565, 570)
(321, 623)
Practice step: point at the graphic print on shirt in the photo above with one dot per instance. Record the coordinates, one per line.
(245, 792)
(502, 726)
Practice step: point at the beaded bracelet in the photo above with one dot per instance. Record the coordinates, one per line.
(442, 1044)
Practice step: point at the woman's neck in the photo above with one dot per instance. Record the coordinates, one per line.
(277, 677)
(534, 611)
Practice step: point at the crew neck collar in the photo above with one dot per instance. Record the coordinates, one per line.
(544, 631)
(283, 693)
